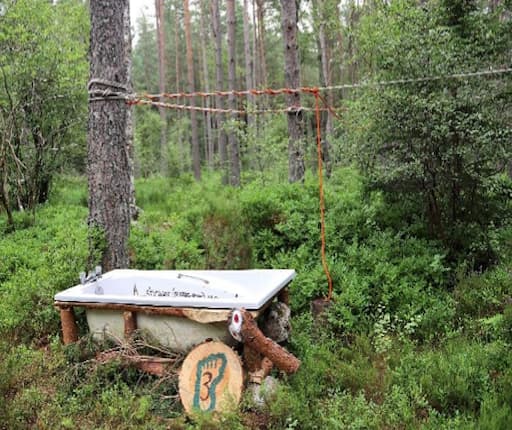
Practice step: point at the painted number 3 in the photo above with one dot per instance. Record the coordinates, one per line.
(210, 371)
(206, 385)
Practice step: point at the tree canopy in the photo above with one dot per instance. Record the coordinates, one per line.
(43, 70)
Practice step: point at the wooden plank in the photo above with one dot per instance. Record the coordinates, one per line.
(202, 315)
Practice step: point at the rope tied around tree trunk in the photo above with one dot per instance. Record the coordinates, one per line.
(111, 90)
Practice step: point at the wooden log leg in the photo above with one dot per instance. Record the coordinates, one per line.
(69, 327)
(130, 324)
(254, 338)
(258, 366)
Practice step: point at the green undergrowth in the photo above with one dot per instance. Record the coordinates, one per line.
(410, 341)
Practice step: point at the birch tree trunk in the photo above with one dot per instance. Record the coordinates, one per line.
(234, 150)
(292, 80)
(196, 156)
(109, 166)
(160, 36)
(219, 75)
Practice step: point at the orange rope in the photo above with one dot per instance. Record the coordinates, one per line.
(136, 101)
(154, 100)
(255, 92)
(321, 192)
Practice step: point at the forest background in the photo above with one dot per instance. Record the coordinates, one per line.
(417, 152)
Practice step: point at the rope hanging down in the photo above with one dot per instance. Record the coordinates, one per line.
(321, 194)
(116, 91)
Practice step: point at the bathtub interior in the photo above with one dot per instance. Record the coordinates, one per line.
(216, 289)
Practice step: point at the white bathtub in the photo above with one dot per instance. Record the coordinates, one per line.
(178, 308)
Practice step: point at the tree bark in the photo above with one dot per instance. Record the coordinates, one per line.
(256, 100)
(183, 164)
(134, 210)
(206, 80)
(249, 78)
(353, 21)
(292, 80)
(261, 44)
(219, 75)
(160, 35)
(234, 176)
(326, 81)
(196, 156)
(249, 84)
(108, 135)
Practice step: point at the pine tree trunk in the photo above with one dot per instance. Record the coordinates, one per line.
(219, 74)
(196, 156)
(249, 79)
(109, 166)
(249, 84)
(177, 27)
(261, 44)
(206, 81)
(254, 38)
(325, 62)
(160, 35)
(292, 80)
(134, 211)
(234, 150)
(353, 21)
(177, 62)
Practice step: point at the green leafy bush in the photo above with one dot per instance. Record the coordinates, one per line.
(454, 378)
(397, 349)
(36, 263)
(435, 147)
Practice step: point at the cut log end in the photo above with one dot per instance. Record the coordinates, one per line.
(211, 379)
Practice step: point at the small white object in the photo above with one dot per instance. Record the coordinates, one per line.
(235, 325)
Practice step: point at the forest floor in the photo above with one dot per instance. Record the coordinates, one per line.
(411, 341)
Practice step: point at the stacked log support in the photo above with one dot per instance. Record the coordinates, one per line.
(130, 324)
(69, 327)
(257, 365)
(253, 338)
